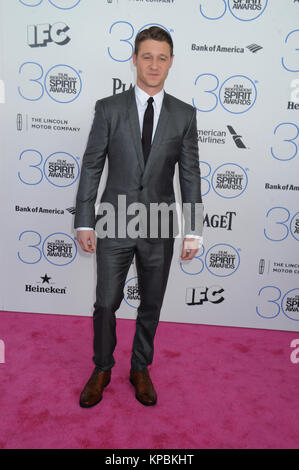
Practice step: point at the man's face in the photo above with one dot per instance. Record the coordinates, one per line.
(152, 64)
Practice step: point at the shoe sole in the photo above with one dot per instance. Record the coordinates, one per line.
(90, 406)
(142, 402)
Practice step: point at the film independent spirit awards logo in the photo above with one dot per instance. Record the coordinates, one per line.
(61, 169)
(290, 304)
(131, 292)
(63, 83)
(229, 180)
(243, 10)
(59, 249)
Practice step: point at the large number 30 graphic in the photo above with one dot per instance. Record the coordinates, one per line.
(272, 303)
(124, 31)
(289, 150)
(61, 4)
(280, 216)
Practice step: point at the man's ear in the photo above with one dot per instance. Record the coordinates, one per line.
(171, 60)
(134, 57)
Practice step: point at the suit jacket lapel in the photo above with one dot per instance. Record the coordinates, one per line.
(135, 126)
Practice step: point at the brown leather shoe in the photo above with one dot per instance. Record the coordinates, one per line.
(93, 390)
(145, 392)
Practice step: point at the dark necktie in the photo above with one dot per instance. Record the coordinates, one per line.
(147, 129)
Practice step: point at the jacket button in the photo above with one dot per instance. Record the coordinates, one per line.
(141, 187)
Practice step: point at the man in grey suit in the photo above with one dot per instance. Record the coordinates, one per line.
(143, 132)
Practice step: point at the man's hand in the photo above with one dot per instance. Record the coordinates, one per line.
(190, 248)
(86, 239)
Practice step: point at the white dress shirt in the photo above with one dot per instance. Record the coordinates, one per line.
(141, 102)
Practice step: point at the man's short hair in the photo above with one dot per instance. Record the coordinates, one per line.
(156, 33)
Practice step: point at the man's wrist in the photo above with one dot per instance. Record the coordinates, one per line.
(193, 236)
(192, 242)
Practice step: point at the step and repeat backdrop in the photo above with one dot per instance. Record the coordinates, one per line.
(237, 63)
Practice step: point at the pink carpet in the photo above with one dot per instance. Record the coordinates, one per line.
(218, 387)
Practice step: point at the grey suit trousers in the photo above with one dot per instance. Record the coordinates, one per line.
(114, 258)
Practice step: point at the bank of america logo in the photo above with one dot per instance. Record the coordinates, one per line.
(254, 48)
(236, 138)
(71, 210)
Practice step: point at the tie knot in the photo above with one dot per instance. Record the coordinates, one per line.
(150, 100)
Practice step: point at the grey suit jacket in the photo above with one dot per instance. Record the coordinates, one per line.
(115, 134)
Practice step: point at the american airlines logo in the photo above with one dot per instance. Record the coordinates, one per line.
(236, 138)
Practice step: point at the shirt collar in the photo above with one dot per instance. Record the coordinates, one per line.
(142, 96)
